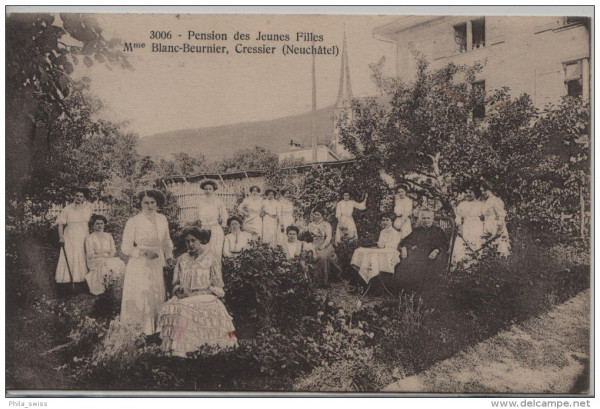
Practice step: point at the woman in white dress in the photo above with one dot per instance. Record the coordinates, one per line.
(73, 228)
(237, 240)
(195, 316)
(494, 223)
(147, 242)
(403, 209)
(101, 257)
(469, 214)
(252, 207)
(346, 228)
(270, 220)
(212, 214)
(285, 214)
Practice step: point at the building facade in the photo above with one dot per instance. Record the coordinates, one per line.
(545, 57)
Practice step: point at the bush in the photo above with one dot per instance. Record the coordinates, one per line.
(263, 289)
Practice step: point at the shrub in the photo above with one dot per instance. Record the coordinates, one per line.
(108, 304)
(264, 289)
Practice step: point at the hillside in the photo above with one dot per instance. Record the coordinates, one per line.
(221, 141)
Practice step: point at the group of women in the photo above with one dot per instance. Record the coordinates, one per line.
(195, 316)
(480, 221)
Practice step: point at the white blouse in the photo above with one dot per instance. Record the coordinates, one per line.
(403, 207)
(346, 207)
(75, 214)
(389, 238)
(235, 243)
(210, 210)
(141, 232)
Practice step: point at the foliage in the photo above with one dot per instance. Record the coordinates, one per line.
(248, 159)
(183, 164)
(263, 289)
(40, 63)
(425, 134)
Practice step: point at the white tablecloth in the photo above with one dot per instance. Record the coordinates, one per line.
(373, 260)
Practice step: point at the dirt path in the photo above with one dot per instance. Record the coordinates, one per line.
(545, 354)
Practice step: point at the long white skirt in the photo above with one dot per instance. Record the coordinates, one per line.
(269, 232)
(143, 292)
(490, 226)
(217, 237)
(404, 228)
(470, 242)
(347, 224)
(102, 270)
(191, 322)
(75, 234)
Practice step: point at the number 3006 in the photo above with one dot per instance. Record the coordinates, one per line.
(160, 35)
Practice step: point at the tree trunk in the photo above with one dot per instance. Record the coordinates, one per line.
(581, 211)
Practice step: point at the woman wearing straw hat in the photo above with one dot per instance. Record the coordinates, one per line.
(212, 214)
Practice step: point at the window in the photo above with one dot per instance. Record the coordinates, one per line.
(574, 78)
(478, 27)
(569, 20)
(479, 105)
(470, 35)
(460, 37)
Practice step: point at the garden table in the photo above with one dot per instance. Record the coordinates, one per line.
(372, 261)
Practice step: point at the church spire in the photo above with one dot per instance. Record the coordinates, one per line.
(345, 90)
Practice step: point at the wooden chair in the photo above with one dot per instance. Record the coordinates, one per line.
(448, 225)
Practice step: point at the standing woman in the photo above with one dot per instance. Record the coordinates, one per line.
(285, 214)
(212, 214)
(494, 219)
(147, 242)
(403, 209)
(270, 218)
(252, 208)
(73, 228)
(343, 213)
(469, 213)
(324, 253)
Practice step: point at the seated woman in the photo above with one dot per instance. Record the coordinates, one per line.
(389, 237)
(237, 240)
(424, 256)
(101, 257)
(293, 247)
(195, 316)
(326, 266)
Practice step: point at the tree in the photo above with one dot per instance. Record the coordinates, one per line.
(39, 64)
(248, 159)
(426, 134)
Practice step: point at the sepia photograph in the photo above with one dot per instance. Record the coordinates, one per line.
(299, 203)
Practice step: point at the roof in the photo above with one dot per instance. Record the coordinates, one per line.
(403, 23)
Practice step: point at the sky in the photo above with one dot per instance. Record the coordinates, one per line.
(171, 91)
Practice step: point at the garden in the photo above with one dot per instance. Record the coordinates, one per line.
(292, 336)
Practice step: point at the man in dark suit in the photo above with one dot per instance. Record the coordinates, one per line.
(424, 255)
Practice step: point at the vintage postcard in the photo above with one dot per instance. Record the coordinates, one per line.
(299, 202)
